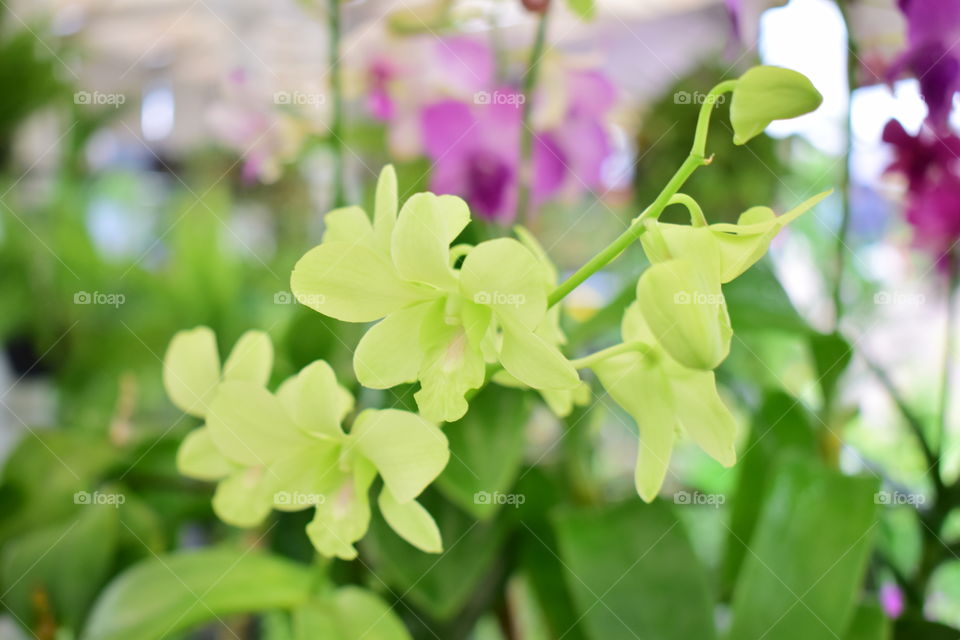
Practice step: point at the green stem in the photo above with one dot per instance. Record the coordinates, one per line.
(697, 219)
(525, 176)
(949, 346)
(693, 161)
(336, 89)
(609, 352)
(841, 246)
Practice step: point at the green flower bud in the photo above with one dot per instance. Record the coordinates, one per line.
(764, 94)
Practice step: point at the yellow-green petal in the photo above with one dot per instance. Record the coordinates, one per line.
(385, 208)
(198, 457)
(344, 517)
(766, 93)
(420, 244)
(351, 282)
(250, 425)
(243, 499)
(251, 359)
(411, 522)
(702, 414)
(685, 310)
(530, 359)
(390, 352)
(348, 224)
(504, 275)
(318, 401)
(191, 370)
(406, 450)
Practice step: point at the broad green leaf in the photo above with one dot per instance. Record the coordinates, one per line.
(198, 457)
(757, 301)
(421, 239)
(350, 613)
(505, 276)
(764, 94)
(348, 224)
(685, 309)
(440, 585)
(636, 560)
(411, 522)
(781, 425)
(870, 623)
(831, 355)
(486, 449)
(251, 359)
(66, 562)
(920, 629)
(390, 352)
(351, 282)
(826, 520)
(407, 451)
(191, 370)
(250, 425)
(161, 596)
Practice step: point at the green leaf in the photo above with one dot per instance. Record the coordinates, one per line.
(351, 613)
(586, 9)
(870, 623)
(825, 520)
(411, 521)
(486, 449)
(66, 562)
(831, 355)
(440, 585)
(781, 425)
(633, 572)
(920, 629)
(764, 94)
(757, 302)
(161, 596)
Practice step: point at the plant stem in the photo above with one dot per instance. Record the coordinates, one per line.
(697, 219)
(336, 87)
(841, 246)
(525, 166)
(609, 352)
(693, 161)
(949, 347)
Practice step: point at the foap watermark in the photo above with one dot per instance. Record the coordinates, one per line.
(514, 98)
(499, 298)
(298, 499)
(695, 497)
(99, 497)
(697, 97)
(299, 98)
(697, 297)
(306, 299)
(899, 298)
(896, 498)
(99, 297)
(99, 98)
(485, 497)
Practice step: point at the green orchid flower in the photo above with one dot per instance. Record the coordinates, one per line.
(288, 451)
(440, 324)
(560, 401)
(680, 295)
(664, 398)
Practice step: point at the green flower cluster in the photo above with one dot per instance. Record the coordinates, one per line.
(444, 313)
(286, 450)
(678, 331)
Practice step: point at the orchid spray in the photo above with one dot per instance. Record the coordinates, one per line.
(453, 317)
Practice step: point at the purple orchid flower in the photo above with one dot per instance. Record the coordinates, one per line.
(933, 54)
(930, 162)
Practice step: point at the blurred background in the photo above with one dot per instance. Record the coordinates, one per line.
(164, 163)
